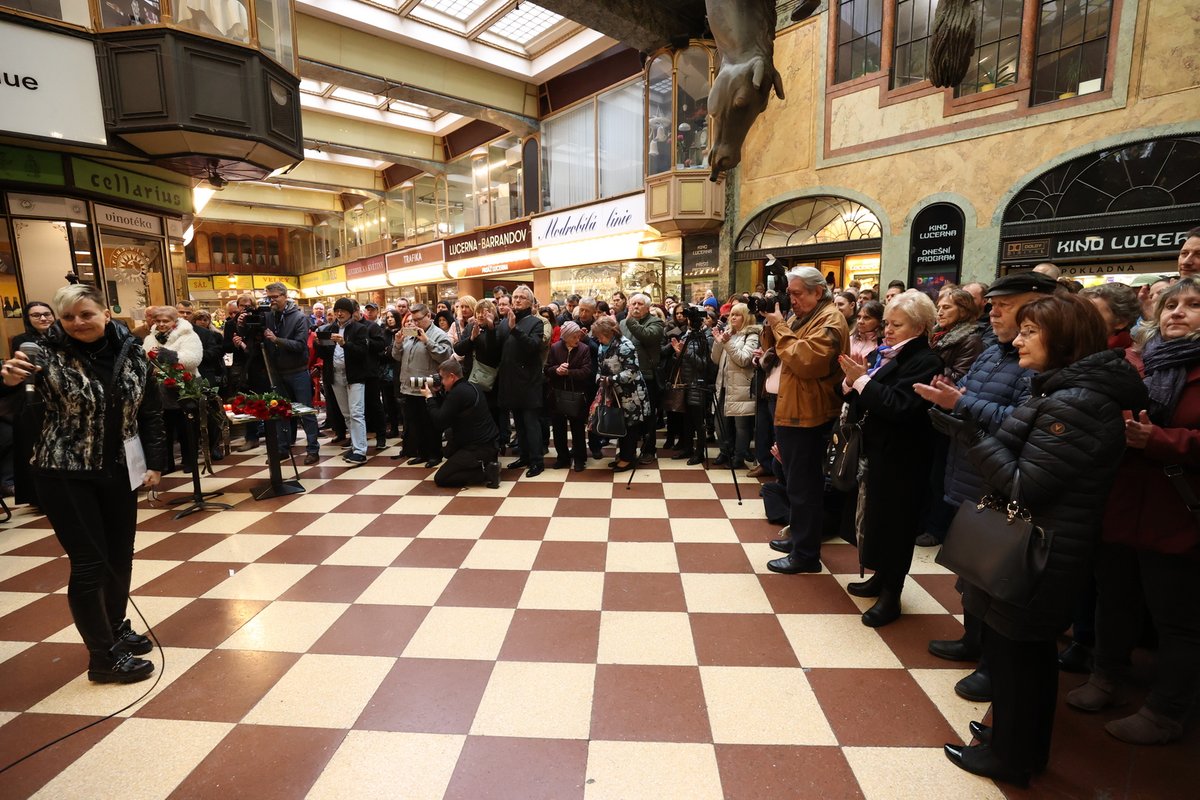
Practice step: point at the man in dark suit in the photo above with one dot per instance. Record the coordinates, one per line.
(520, 378)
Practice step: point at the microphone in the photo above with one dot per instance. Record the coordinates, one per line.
(33, 352)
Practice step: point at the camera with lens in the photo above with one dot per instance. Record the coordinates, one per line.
(432, 382)
(324, 334)
(252, 323)
(695, 317)
(772, 302)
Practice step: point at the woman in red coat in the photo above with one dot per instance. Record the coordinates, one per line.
(1151, 553)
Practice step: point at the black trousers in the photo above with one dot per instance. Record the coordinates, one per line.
(391, 404)
(376, 419)
(175, 422)
(1129, 582)
(802, 450)
(653, 403)
(627, 444)
(464, 466)
(420, 437)
(94, 521)
(1024, 695)
(528, 422)
(578, 426)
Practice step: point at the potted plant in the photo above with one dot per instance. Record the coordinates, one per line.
(1071, 81)
(995, 78)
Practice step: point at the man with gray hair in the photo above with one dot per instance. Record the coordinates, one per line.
(646, 332)
(808, 346)
(285, 346)
(519, 379)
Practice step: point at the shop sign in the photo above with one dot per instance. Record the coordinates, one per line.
(433, 253)
(1115, 245)
(491, 241)
(31, 166)
(366, 267)
(937, 239)
(701, 256)
(322, 277)
(109, 217)
(199, 285)
(132, 186)
(50, 86)
(624, 215)
(1120, 268)
(263, 281)
(480, 270)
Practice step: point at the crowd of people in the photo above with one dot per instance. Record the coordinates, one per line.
(1079, 408)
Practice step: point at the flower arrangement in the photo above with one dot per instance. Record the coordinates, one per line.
(263, 406)
(175, 376)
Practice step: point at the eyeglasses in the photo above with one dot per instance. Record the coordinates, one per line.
(41, 315)
(274, 296)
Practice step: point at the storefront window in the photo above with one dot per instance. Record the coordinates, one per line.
(658, 123)
(691, 109)
(1072, 49)
(133, 272)
(569, 157)
(8, 291)
(275, 31)
(601, 280)
(73, 11)
(619, 120)
(123, 13)
(998, 47)
(504, 179)
(228, 19)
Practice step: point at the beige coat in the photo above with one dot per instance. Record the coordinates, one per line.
(735, 370)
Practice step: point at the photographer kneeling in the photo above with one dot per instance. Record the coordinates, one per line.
(463, 408)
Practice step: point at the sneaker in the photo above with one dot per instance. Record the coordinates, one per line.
(355, 459)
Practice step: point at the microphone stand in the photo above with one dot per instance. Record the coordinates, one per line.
(199, 499)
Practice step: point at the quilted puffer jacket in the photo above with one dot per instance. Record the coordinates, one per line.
(1067, 442)
(993, 387)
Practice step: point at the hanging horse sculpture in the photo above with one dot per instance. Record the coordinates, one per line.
(744, 31)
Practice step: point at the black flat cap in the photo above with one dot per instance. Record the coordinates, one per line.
(1021, 283)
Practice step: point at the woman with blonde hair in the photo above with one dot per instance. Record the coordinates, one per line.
(464, 310)
(733, 353)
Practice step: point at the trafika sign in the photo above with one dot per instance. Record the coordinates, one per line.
(49, 85)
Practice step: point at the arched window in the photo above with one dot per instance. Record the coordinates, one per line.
(246, 250)
(260, 251)
(273, 251)
(217, 249)
(231, 250)
(809, 220)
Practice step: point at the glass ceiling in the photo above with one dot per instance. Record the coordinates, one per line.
(397, 107)
(517, 26)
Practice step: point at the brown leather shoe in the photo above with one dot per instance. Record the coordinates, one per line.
(311, 458)
(757, 471)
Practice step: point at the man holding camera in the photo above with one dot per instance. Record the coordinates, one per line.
(346, 349)
(808, 346)
(646, 332)
(420, 349)
(462, 407)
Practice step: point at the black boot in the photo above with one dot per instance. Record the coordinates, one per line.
(871, 587)
(129, 642)
(887, 608)
(965, 649)
(118, 667)
(491, 474)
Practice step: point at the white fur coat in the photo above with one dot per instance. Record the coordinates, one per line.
(183, 341)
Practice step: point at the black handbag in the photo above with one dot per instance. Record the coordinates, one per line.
(609, 418)
(570, 403)
(995, 546)
(843, 454)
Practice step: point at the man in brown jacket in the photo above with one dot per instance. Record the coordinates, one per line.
(808, 346)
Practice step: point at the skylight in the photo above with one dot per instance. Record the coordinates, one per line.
(459, 9)
(524, 23)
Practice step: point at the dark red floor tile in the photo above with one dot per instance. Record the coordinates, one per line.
(283, 522)
(263, 762)
(434, 553)
(942, 589)
(397, 525)
(39, 671)
(189, 579)
(705, 557)
(429, 488)
(578, 507)
(329, 583)
(535, 489)
(595, 474)
(841, 559)
(497, 768)
(342, 486)
(695, 509)
(35, 621)
(371, 630)
(303, 550)
(805, 594)
(221, 687)
(755, 531)
(878, 708)
(639, 530)
(530, 528)
(542, 635)
(46, 546)
(179, 546)
(649, 704)
(235, 470)
(741, 640)
(48, 577)
(29, 731)
(643, 591)
(637, 491)
(910, 635)
(366, 504)
(167, 521)
(474, 506)
(756, 772)
(206, 623)
(670, 475)
(427, 695)
(485, 588)
(571, 556)
(747, 486)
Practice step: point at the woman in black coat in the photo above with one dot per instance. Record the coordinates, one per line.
(897, 446)
(26, 417)
(570, 368)
(1065, 443)
(480, 341)
(667, 364)
(691, 372)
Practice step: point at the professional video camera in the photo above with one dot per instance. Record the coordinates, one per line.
(251, 324)
(768, 304)
(695, 317)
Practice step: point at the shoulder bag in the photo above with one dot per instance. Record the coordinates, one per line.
(995, 546)
(609, 419)
(483, 376)
(570, 403)
(843, 454)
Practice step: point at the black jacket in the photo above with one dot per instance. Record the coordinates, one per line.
(212, 366)
(898, 445)
(581, 368)
(289, 351)
(519, 380)
(1067, 441)
(362, 350)
(464, 410)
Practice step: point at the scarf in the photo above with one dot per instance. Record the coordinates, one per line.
(949, 337)
(1166, 364)
(161, 337)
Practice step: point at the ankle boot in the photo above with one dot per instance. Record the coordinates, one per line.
(118, 667)
(129, 642)
(491, 474)
(1096, 695)
(871, 587)
(1146, 727)
(886, 609)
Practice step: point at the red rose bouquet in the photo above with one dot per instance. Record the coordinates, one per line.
(264, 406)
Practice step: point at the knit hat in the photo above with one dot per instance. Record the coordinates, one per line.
(345, 304)
(569, 328)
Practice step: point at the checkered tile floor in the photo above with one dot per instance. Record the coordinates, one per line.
(560, 637)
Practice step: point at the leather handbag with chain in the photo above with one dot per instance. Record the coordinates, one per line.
(845, 450)
(994, 545)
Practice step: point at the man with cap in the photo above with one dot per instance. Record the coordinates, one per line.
(371, 313)
(993, 386)
(345, 347)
